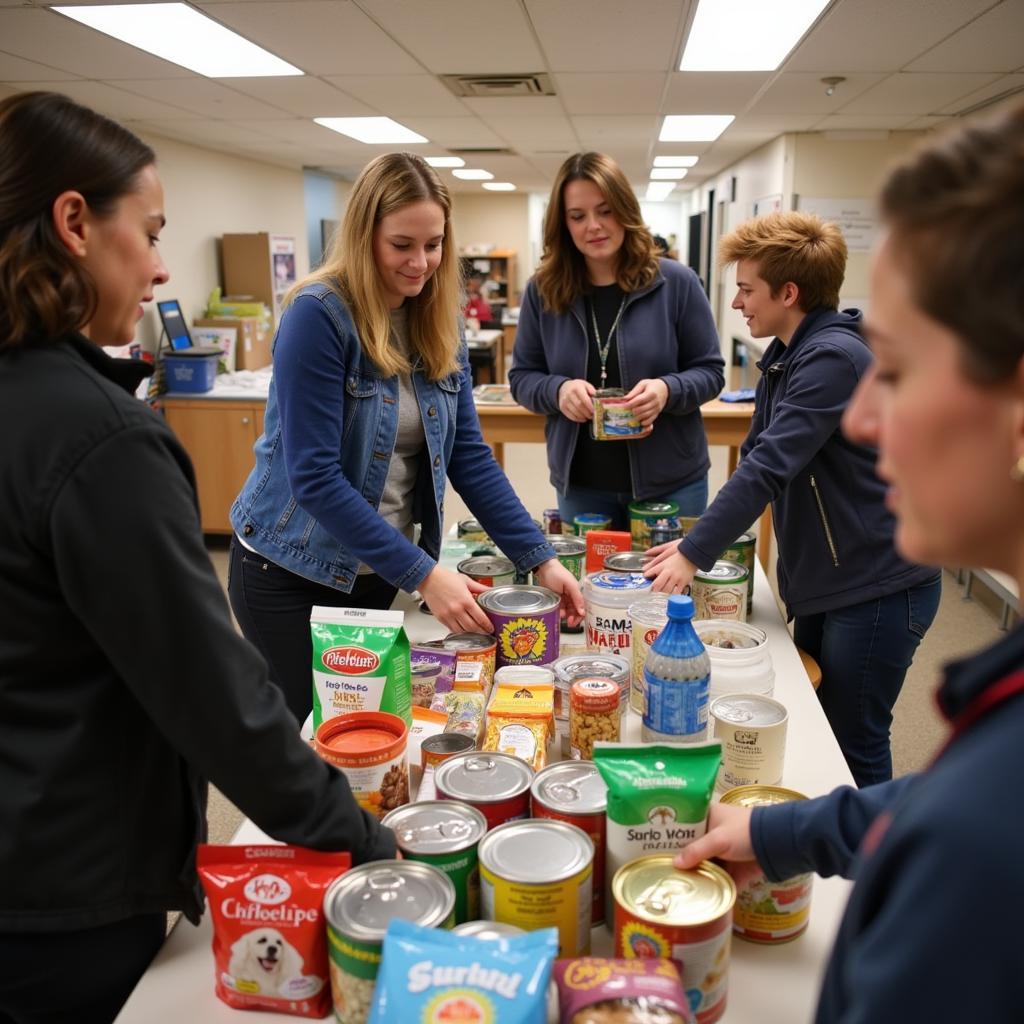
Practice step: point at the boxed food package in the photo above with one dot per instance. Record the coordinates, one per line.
(602, 543)
(252, 349)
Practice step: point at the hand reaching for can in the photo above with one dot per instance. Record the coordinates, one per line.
(728, 837)
(451, 597)
(574, 400)
(553, 575)
(670, 569)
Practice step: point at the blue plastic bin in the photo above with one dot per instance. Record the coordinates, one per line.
(190, 373)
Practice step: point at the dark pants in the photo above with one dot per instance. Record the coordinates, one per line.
(272, 606)
(75, 977)
(864, 652)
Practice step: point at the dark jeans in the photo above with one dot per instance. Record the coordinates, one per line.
(75, 977)
(272, 606)
(864, 652)
(692, 500)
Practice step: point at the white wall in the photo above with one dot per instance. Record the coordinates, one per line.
(208, 194)
(498, 221)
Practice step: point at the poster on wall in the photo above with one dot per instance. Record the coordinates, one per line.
(855, 218)
(282, 263)
(767, 204)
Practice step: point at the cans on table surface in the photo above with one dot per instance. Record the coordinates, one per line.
(369, 747)
(768, 912)
(720, 592)
(587, 521)
(497, 785)
(471, 530)
(358, 906)
(613, 420)
(647, 616)
(740, 659)
(551, 521)
(571, 552)
(593, 664)
(624, 561)
(664, 530)
(491, 570)
(608, 596)
(526, 623)
(741, 551)
(752, 729)
(439, 747)
(642, 514)
(594, 714)
(510, 892)
(685, 916)
(445, 834)
(574, 791)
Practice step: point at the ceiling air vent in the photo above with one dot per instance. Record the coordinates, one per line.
(500, 86)
(475, 151)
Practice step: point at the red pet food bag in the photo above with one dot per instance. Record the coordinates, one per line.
(269, 937)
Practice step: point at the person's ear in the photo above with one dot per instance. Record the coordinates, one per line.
(72, 222)
(790, 294)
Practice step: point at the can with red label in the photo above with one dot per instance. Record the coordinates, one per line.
(573, 791)
(497, 785)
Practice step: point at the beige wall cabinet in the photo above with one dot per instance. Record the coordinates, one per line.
(218, 435)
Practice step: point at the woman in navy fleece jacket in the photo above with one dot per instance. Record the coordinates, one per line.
(932, 929)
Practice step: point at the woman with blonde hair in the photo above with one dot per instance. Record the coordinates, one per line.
(604, 311)
(370, 409)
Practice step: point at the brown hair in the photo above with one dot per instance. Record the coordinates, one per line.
(50, 145)
(956, 213)
(387, 184)
(797, 247)
(561, 277)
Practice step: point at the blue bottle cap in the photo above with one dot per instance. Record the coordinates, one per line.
(680, 607)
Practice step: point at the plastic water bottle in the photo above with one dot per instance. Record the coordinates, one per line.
(677, 677)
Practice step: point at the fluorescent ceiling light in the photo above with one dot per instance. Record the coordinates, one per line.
(694, 127)
(445, 161)
(472, 174)
(180, 34)
(500, 186)
(668, 173)
(675, 161)
(659, 190)
(373, 130)
(746, 35)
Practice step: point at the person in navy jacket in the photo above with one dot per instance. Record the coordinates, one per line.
(861, 609)
(932, 928)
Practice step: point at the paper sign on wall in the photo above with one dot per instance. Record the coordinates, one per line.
(855, 217)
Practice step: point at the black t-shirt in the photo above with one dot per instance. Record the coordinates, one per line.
(603, 465)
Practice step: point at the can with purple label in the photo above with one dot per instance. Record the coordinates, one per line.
(526, 623)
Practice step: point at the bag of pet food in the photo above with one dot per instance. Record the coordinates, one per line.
(269, 937)
(360, 663)
(432, 976)
(658, 796)
(598, 990)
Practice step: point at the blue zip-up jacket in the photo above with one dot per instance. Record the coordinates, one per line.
(932, 928)
(666, 331)
(310, 503)
(834, 532)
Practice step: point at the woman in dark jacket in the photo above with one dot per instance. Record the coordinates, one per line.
(123, 683)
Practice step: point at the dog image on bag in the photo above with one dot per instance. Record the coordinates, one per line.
(265, 958)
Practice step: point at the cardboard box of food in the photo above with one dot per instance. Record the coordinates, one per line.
(252, 349)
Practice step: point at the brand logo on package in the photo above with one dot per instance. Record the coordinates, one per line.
(267, 889)
(743, 736)
(350, 661)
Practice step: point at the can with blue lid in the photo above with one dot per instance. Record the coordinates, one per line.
(587, 521)
(608, 596)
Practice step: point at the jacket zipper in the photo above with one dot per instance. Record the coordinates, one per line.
(824, 521)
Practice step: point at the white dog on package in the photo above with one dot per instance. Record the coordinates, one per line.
(264, 957)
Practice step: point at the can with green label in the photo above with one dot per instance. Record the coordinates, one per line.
(742, 553)
(444, 833)
(587, 521)
(645, 514)
(571, 552)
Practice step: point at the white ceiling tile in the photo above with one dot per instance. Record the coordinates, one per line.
(399, 95)
(493, 108)
(926, 123)
(528, 134)
(1005, 84)
(115, 103)
(879, 35)
(624, 92)
(200, 96)
(712, 92)
(323, 37)
(804, 93)
(993, 42)
(609, 35)
(14, 69)
(916, 93)
(594, 131)
(204, 131)
(863, 122)
(460, 37)
(773, 123)
(454, 131)
(303, 95)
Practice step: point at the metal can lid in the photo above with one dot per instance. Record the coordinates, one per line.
(478, 777)
(625, 561)
(595, 695)
(436, 826)
(365, 899)
(653, 508)
(753, 709)
(571, 787)
(487, 930)
(574, 666)
(448, 743)
(468, 641)
(513, 850)
(722, 572)
(617, 582)
(565, 545)
(486, 565)
(517, 598)
(759, 796)
(653, 890)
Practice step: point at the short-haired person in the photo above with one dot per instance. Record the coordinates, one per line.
(477, 307)
(124, 685)
(603, 311)
(860, 608)
(370, 410)
(932, 928)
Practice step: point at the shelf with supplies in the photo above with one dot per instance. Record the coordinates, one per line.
(499, 271)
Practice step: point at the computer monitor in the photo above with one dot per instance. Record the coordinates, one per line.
(174, 324)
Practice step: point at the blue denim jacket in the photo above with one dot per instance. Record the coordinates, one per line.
(310, 503)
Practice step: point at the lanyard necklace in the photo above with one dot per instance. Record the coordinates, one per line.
(604, 348)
